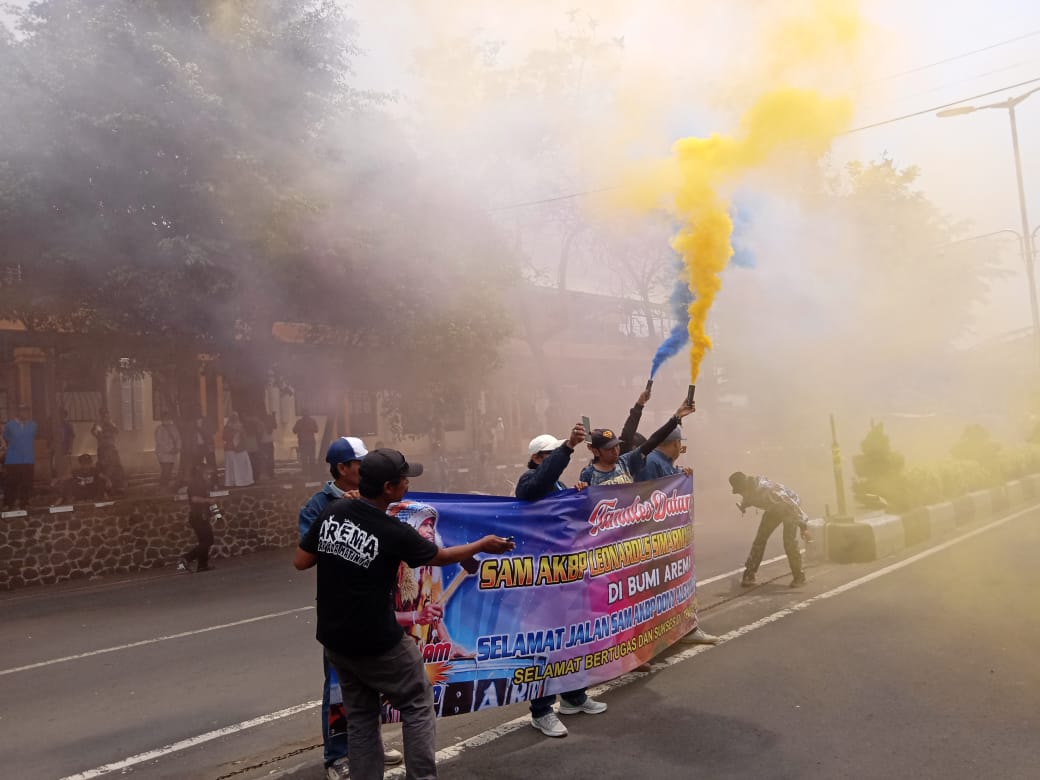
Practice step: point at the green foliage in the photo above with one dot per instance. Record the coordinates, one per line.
(879, 470)
(1019, 461)
(959, 478)
(976, 445)
(899, 233)
(923, 485)
(180, 177)
(979, 463)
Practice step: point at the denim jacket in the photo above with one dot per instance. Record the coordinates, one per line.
(317, 503)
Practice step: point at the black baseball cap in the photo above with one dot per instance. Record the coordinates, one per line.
(604, 438)
(736, 481)
(385, 465)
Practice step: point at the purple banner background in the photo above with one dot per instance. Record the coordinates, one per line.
(563, 610)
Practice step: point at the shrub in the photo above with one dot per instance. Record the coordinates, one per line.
(1019, 461)
(978, 446)
(879, 470)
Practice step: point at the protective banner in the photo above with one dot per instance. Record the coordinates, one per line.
(600, 581)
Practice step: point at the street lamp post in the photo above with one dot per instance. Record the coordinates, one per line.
(1028, 251)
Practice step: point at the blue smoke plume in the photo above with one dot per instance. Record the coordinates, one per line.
(681, 297)
(680, 301)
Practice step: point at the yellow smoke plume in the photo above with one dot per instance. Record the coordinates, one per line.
(789, 121)
(782, 124)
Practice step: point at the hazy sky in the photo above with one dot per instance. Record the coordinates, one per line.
(967, 165)
(684, 49)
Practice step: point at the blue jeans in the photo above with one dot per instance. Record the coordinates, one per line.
(543, 704)
(335, 746)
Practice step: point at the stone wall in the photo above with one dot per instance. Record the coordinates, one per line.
(51, 545)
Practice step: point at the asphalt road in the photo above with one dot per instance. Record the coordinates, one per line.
(925, 670)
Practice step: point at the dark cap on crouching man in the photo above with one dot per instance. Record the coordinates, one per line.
(781, 507)
(358, 549)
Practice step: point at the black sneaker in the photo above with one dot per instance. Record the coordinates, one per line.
(799, 579)
(748, 581)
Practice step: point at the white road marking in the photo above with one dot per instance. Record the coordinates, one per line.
(184, 744)
(727, 574)
(152, 641)
(453, 751)
(67, 658)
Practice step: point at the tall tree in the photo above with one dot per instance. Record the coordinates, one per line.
(185, 175)
(856, 306)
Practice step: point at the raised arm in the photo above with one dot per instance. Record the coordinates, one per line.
(661, 433)
(631, 425)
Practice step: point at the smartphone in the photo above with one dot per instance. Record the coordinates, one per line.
(588, 426)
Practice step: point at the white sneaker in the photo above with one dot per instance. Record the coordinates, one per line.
(549, 725)
(699, 637)
(338, 771)
(392, 757)
(590, 707)
(182, 567)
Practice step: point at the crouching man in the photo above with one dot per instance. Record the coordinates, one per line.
(358, 549)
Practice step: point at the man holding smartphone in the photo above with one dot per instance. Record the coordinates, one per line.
(549, 458)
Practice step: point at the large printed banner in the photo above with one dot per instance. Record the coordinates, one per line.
(600, 582)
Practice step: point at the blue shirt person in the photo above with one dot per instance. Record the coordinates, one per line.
(20, 435)
(19, 462)
(610, 467)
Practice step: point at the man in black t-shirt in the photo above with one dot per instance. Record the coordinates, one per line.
(358, 549)
(202, 511)
(85, 483)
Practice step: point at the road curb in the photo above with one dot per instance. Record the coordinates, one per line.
(870, 538)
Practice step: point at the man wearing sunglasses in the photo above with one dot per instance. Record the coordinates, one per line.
(661, 463)
(610, 467)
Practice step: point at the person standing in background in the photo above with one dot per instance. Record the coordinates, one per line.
(269, 426)
(108, 461)
(63, 436)
(306, 429)
(204, 449)
(201, 512)
(252, 429)
(167, 448)
(20, 462)
(68, 437)
(238, 471)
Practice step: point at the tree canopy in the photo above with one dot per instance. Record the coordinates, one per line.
(181, 176)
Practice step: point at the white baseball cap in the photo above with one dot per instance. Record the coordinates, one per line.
(345, 449)
(544, 443)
